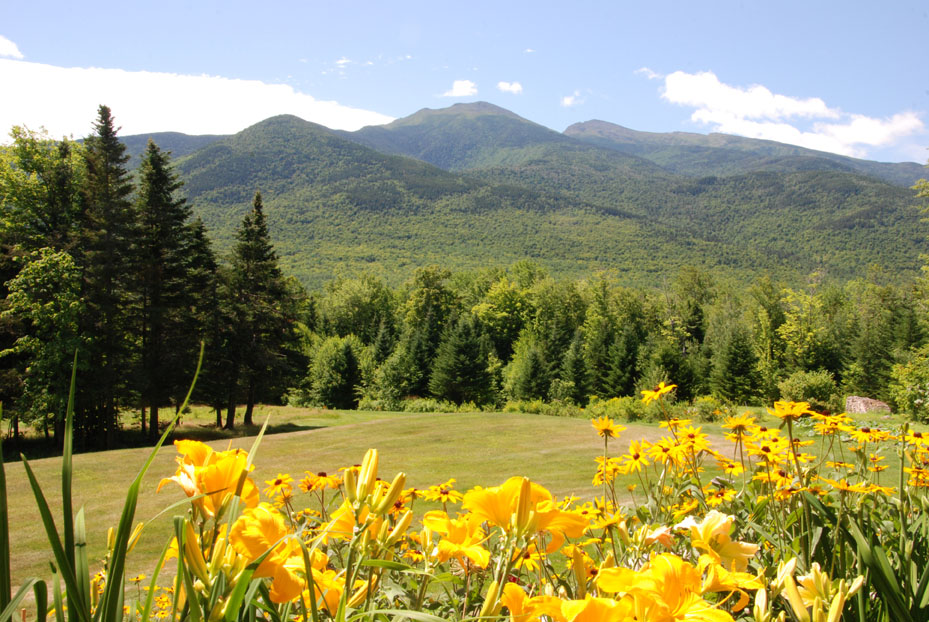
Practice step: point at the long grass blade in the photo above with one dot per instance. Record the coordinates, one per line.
(7, 614)
(153, 584)
(882, 575)
(67, 469)
(112, 596)
(6, 580)
(51, 532)
(81, 563)
(58, 601)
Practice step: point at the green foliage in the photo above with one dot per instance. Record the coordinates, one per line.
(335, 373)
(816, 387)
(460, 371)
(734, 377)
(527, 375)
(571, 207)
(909, 387)
(47, 295)
(108, 266)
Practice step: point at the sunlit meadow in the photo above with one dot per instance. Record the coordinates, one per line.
(787, 522)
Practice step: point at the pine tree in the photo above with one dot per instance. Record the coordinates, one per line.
(573, 370)
(264, 313)
(162, 248)
(460, 372)
(106, 243)
(735, 376)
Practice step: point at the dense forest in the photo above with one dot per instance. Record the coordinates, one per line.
(109, 263)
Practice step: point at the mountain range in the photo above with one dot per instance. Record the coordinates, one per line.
(474, 185)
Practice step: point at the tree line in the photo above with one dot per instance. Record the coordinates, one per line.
(518, 334)
(111, 266)
(110, 270)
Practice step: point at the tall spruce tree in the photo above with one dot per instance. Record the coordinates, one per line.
(264, 314)
(163, 246)
(106, 243)
(460, 371)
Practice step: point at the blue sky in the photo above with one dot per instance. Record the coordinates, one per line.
(850, 77)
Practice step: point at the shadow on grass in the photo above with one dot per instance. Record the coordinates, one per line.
(35, 447)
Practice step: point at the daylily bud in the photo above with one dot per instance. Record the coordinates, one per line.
(193, 555)
(134, 537)
(760, 610)
(796, 602)
(368, 475)
(348, 483)
(491, 606)
(522, 505)
(391, 496)
(579, 567)
(838, 603)
(401, 527)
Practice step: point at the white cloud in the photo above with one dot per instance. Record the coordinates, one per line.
(756, 112)
(8, 49)
(510, 87)
(648, 73)
(528, 51)
(461, 88)
(153, 102)
(572, 100)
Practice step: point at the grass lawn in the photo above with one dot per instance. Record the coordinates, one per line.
(473, 448)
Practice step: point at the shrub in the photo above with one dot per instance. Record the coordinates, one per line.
(909, 387)
(816, 387)
(706, 409)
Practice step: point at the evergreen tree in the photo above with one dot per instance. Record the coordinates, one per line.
(264, 314)
(574, 371)
(428, 306)
(460, 372)
(528, 374)
(735, 376)
(624, 361)
(107, 233)
(335, 373)
(163, 246)
(209, 320)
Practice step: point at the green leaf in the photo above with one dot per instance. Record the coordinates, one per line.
(146, 608)
(12, 606)
(398, 613)
(81, 564)
(383, 563)
(6, 581)
(81, 610)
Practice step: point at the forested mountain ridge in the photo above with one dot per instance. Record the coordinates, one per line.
(508, 189)
(699, 155)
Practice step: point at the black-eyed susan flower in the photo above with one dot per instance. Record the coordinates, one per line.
(606, 428)
(443, 493)
(650, 396)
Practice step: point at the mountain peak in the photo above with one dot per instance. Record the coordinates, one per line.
(468, 110)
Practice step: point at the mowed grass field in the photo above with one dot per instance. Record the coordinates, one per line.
(474, 448)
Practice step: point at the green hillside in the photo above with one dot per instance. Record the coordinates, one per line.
(700, 155)
(335, 205)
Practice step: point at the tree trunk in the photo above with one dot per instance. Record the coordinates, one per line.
(143, 422)
(219, 416)
(153, 421)
(109, 414)
(230, 413)
(250, 403)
